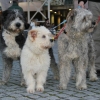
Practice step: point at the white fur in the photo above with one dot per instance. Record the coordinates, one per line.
(35, 60)
(12, 50)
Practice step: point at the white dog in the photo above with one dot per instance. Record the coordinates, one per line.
(35, 59)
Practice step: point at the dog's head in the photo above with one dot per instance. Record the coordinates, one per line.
(14, 20)
(41, 37)
(81, 20)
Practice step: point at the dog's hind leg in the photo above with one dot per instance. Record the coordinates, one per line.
(22, 79)
(65, 71)
(91, 64)
(7, 67)
(92, 71)
(53, 65)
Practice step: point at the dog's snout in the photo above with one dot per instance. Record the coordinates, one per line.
(18, 24)
(93, 23)
(51, 40)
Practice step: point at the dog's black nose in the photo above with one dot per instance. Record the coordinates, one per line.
(93, 23)
(18, 25)
(51, 40)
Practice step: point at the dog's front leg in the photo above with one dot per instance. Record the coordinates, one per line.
(7, 67)
(81, 73)
(30, 81)
(65, 71)
(41, 79)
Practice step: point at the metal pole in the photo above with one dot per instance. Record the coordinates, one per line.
(49, 9)
(28, 11)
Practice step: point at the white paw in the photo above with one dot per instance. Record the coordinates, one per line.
(93, 79)
(2, 83)
(62, 87)
(40, 88)
(30, 90)
(56, 77)
(73, 78)
(23, 83)
(83, 87)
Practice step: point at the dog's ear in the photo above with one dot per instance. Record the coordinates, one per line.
(32, 34)
(4, 15)
(71, 15)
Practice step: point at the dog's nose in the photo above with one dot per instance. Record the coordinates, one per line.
(51, 40)
(18, 25)
(93, 23)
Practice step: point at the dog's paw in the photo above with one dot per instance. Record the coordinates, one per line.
(83, 87)
(56, 77)
(30, 90)
(2, 83)
(23, 83)
(62, 87)
(93, 79)
(73, 78)
(40, 88)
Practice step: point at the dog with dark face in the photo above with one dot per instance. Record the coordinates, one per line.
(12, 40)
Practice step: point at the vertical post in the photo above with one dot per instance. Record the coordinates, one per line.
(49, 9)
(28, 11)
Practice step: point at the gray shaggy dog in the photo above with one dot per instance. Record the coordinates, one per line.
(76, 47)
(12, 40)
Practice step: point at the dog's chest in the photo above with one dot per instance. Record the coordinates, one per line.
(12, 49)
(41, 62)
(33, 62)
(76, 48)
(72, 50)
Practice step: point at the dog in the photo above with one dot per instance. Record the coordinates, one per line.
(35, 58)
(76, 47)
(12, 40)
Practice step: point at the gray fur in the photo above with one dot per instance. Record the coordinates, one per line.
(77, 47)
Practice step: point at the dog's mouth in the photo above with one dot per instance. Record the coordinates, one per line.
(17, 30)
(92, 27)
(46, 47)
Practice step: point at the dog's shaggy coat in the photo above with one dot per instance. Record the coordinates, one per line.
(12, 40)
(35, 59)
(76, 47)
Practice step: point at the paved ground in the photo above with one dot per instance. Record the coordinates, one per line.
(13, 90)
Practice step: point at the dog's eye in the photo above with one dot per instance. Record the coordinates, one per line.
(13, 18)
(84, 19)
(20, 18)
(43, 36)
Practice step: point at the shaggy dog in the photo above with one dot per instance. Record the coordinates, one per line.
(76, 47)
(12, 40)
(35, 59)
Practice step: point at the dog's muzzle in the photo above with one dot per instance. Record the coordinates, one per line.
(51, 40)
(93, 23)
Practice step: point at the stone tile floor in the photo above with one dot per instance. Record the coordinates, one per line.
(13, 90)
